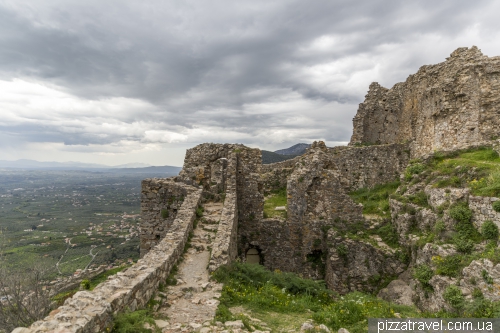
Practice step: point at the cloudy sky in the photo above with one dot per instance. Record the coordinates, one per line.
(116, 82)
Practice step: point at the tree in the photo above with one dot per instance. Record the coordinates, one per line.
(23, 296)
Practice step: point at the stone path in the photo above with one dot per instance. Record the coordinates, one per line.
(194, 299)
(190, 305)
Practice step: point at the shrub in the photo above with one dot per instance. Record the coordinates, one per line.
(464, 245)
(414, 169)
(449, 266)
(342, 251)
(461, 212)
(199, 211)
(423, 274)
(133, 322)
(496, 206)
(439, 227)
(489, 230)
(486, 277)
(85, 284)
(388, 234)
(453, 295)
(164, 213)
(420, 198)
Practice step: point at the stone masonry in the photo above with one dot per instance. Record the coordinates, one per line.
(92, 311)
(451, 105)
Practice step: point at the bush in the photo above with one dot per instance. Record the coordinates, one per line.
(414, 169)
(489, 230)
(133, 322)
(486, 277)
(496, 206)
(439, 227)
(85, 284)
(464, 245)
(453, 295)
(423, 274)
(461, 212)
(450, 266)
(164, 213)
(388, 234)
(199, 211)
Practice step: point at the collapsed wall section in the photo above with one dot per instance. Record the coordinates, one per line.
(92, 311)
(451, 105)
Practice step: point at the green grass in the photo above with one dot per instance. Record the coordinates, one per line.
(272, 295)
(275, 199)
(375, 200)
(478, 169)
(134, 322)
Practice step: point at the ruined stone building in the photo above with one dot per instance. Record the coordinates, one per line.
(451, 105)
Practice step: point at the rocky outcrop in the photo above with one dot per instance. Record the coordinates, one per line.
(446, 106)
(399, 292)
(354, 265)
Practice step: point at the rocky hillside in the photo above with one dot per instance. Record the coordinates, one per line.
(444, 216)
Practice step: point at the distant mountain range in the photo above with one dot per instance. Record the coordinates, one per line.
(298, 149)
(280, 155)
(122, 168)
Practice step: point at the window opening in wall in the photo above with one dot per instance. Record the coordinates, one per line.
(252, 256)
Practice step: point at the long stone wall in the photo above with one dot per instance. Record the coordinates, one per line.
(447, 106)
(92, 311)
(224, 247)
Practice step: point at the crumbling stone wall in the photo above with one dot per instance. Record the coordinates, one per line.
(224, 247)
(160, 201)
(274, 176)
(447, 106)
(92, 311)
(367, 166)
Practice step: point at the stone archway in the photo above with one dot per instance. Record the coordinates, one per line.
(252, 256)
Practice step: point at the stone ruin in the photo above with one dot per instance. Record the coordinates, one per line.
(451, 105)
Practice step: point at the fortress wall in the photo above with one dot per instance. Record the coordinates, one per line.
(161, 199)
(447, 106)
(371, 165)
(250, 194)
(274, 176)
(224, 247)
(92, 311)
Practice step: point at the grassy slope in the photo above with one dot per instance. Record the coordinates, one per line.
(284, 301)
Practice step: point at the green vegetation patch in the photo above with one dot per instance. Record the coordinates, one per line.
(477, 168)
(134, 322)
(375, 200)
(275, 199)
(265, 292)
(489, 230)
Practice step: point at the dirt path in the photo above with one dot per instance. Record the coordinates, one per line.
(193, 300)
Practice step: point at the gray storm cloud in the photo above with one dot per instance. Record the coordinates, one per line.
(120, 73)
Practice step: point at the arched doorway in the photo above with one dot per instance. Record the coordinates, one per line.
(252, 256)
